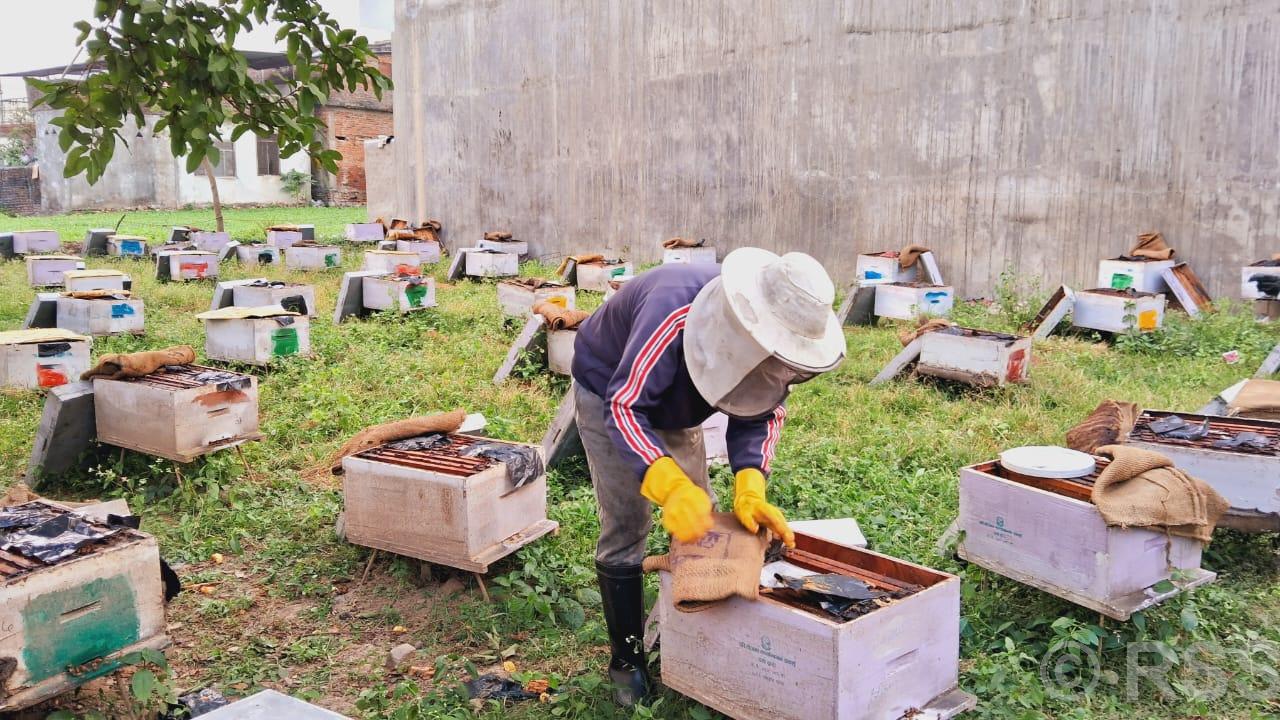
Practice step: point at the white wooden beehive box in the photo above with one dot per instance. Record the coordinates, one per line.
(517, 299)
(560, 350)
(101, 316)
(1049, 536)
(907, 301)
(515, 247)
(179, 413)
(400, 293)
(313, 257)
(209, 240)
(130, 246)
(80, 280)
(47, 270)
(882, 267)
(975, 357)
(479, 517)
(286, 295)
(34, 242)
(714, 430)
(1141, 275)
(769, 660)
(257, 255)
(42, 357)
(1117, 310)
(71, 621)
(490, 263)
(283, 239)
(594, 277)
(1248, 479)
(615, 284)
(186, 265)
(256, 335)
(1260, 281)
(689, 256)
(428, 250)
(364, 232)
(391, 261)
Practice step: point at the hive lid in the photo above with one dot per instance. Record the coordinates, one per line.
(54, 256)
(235, 312)
(74, 274)
(1047, 461)
(38, 335)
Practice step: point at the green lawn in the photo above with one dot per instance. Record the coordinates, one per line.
(290, 607)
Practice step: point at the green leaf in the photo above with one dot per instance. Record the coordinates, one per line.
(1189, 619)
(143, 685)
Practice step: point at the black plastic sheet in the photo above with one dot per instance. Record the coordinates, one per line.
(832, 585)
(523, 463)
(56, 538)
(1245, 439)
(494, 687)
(430, 441)
(1179, 429)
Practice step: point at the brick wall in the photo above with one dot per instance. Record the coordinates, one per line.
(348, 129)
(19, 194)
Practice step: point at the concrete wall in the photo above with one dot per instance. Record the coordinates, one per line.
(380, 178)
(1039, 135)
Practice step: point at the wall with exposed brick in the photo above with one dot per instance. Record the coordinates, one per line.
(19, 193)
(350, 119)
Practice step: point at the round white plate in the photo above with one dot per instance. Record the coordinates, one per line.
(1047, 461)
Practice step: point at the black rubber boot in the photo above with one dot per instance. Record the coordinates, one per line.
(622, 590)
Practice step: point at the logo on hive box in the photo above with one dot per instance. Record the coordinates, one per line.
(999, 531)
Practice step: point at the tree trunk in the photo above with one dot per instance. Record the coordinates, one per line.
(213, 190)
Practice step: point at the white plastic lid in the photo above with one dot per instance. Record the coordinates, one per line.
(1047, 461)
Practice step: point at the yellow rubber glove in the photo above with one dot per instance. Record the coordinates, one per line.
(686, 508)
(753, 510)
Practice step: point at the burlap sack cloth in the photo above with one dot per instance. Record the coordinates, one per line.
(284, 228)
(559, 318)
(100, 294)
(1141, 488)
(1152, 246)
(584, 259)
(532, 283)
(372, 437)
(115, 366)
(725, 562)
(1109, 423)
(681, 242)
(497, 236)
(910, 254)
(1258, 399)
(925, 326)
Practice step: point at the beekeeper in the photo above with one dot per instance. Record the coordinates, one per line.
(675, 345)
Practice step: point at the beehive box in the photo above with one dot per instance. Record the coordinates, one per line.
(42, 357)
(186, 265)
(400, 293)
(283, 239)
(365, 232)
(770, 660)
(514, 247)
(313, 257)
(490, 263)
(517, 299)
(101, 316)
(79, 280)
(1260, 281)
(291, 296)
(882, 267)
(257, 255)
(255, 335)
(179, 413)
(428, 250)
(595, 277)
(616, 284)
(560, 351)
(35, 242)
(975, 357)
(1248, 478)
(1140, 275)
(1117, 310)
(909, 300)
(478, 517)
(71, 621)
(47, 270)
(210, 241)
(391, 261)
(714, 438)
(129, 246)
(689, 256)
(1050, 536)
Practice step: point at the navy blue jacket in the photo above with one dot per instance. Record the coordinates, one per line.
(631, 353)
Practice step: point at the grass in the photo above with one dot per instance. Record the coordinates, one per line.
(290, 607)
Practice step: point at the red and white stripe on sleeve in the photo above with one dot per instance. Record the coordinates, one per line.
(638, 436)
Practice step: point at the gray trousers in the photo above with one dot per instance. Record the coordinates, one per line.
(626, 516)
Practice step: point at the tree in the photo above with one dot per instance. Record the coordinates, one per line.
(177, 59)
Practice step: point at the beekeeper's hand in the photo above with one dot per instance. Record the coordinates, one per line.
(686, 508)
(753, 510)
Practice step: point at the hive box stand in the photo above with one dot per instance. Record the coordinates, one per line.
(907, 301)
(1268, 275)
(479, 519)
(689, 256)
(127, 246)
(517, 300)
(975, 357)
(765, 660)
(313, 257)
(364, 232)
(47, 270)
(389, 292)
(428, 250)
(34, 242)
(42, 358)
(176, 415)
(486, 264)
(560, 351)
(259, 296)
(1112, 311)
(1141, 275)
(388, 261)
(101, 316)
(85, 609)
(1062, 546)
(878, 269)
(255, 340)
(594, 277)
